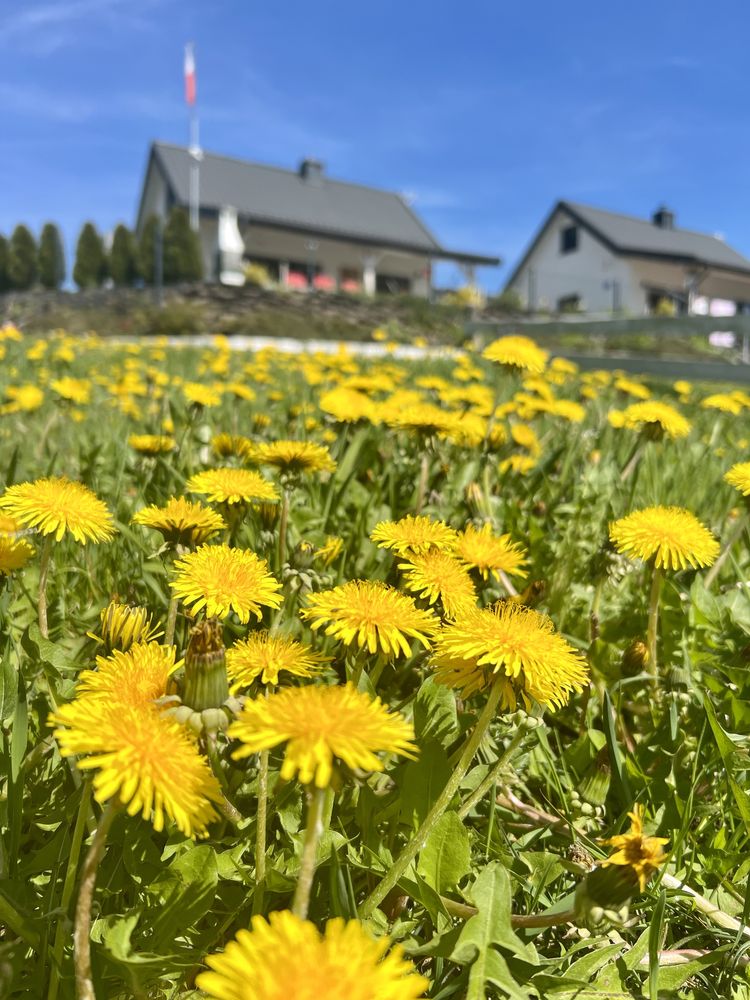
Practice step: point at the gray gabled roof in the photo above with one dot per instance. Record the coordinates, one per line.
(285, 199)
(632, 235)
(629, 236)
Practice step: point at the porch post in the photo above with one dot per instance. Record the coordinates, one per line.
(369, 275)
(283, 273)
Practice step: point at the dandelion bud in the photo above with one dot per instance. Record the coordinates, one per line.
(303, 555)
(205, 684)
(268, 514)
(123, 625)
(635, 658)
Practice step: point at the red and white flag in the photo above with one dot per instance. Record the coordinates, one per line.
(189, 74)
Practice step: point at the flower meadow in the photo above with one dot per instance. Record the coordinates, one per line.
(367, 679)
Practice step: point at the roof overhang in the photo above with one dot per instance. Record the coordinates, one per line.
(358, 239)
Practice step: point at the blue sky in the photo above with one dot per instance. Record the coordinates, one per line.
(484, 112)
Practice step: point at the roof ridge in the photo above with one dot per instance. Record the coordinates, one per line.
(646, 222)
(281, 170)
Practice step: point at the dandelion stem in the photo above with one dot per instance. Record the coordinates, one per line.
(82, 932)
(44, 562)
(481, 790)
(653, 626)
(415, 845)
(68, 886)
(261, 819)
(171, 621)
(734, 535)
(283, 522)
(633, 460)
(424, 472)
(313, 833)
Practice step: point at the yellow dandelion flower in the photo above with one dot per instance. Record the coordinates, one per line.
(232, 486)
(512, 645)
(224, 445)
(9, 525)
(152, 444)
(221, 580)
(75, 390)
(123, 624)
(437, 576)
(343, 963)
(722, 401)
(371, 615)
(320, 723)
(181, 521)
(517, 352)
(671, 536)
(414, 535)
(632, 388)
(240, 391)
(56, 505)
(201, 395)
(136, 676)
(142, 756)
(526, 437)
(25, 397)
(296, 456)
(739, 477)
(14, 553)
(490, 554)
(643, 855)
(330, 550)
(682, 387)
(522, 464)
(654, 417)
(347, 405)
(263, 656)
(422, 418)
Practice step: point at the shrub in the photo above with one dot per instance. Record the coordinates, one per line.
(22, 259)
(123, 264)
(91, 263)
(51, 257)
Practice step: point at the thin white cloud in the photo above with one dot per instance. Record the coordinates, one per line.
(43, 28)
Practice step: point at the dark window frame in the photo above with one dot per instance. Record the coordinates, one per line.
(569, 239)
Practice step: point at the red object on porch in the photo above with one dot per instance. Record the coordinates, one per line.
(349, 285)
(296, 280)
(324, 282)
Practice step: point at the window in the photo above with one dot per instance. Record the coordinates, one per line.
(569, 304)
(569, 239)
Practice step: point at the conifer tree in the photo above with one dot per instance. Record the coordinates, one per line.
(147, 247)
(21, 259)
(51, 260)
(123, 265)
(182, 250)
(4, 281)
(90, 266)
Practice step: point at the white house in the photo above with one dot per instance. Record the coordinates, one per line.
(590, 260)
(305, 228)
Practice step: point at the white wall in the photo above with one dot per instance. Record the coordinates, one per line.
(588, 272)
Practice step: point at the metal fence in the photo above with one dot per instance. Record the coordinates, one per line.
(691, 347)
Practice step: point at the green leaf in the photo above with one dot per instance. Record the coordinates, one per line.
(20, 730)
(8, 687)
(186, 894)
(728, 750)
(620, 781)
(435, 715)
(422, 781)
(489, 930)
(654, 945)
(446, 857)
